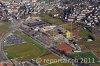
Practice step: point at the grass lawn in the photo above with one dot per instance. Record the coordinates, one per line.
(84, 32)
(4, 26)
(59, 64)
(66, 26)
(29, 50)
(86, 55)
(49, 56)
(50, 19)
(83, 42)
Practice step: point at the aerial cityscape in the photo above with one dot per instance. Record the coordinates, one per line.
(49, 32)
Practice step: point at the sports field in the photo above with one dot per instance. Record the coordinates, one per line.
(86, 55)
(95, 48)
(48, 58)
(65, 47)
(29, 50)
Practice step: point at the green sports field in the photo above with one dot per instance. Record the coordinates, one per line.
(29, 50)
(87, 55)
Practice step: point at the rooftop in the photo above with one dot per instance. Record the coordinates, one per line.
(64, 47)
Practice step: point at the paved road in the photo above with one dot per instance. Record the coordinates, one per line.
(2, 54)
(12, 28)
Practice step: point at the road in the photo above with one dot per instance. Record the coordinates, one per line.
(11, 29)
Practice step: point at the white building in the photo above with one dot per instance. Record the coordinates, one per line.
(34, 0)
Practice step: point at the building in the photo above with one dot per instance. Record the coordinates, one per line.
(34, 0)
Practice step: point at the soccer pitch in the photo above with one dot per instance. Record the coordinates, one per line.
(89, 57)
(26, 51)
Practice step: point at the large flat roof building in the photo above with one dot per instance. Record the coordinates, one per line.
(34, 0)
